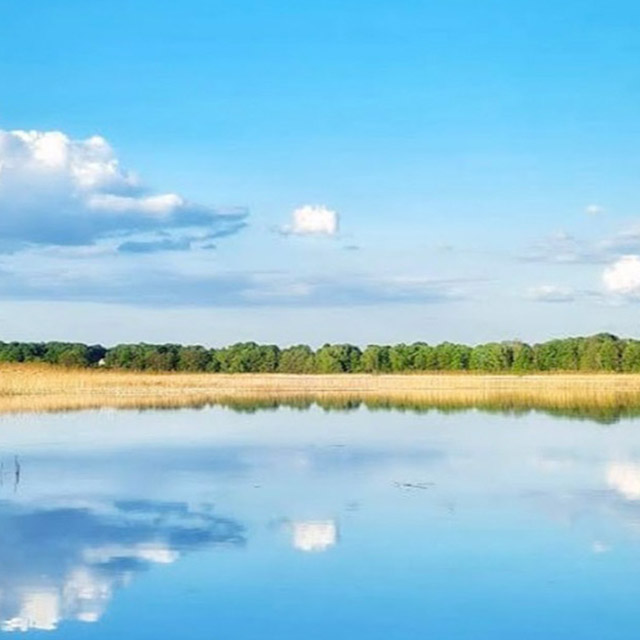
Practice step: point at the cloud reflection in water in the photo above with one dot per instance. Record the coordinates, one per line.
(65, 563)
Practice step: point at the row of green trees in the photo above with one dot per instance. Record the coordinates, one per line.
(68, 354)
(602, 352)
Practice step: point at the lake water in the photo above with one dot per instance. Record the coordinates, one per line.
(287, 524)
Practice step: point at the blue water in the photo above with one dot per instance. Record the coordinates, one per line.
(211, 524)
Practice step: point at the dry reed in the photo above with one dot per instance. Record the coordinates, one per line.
(45, 388)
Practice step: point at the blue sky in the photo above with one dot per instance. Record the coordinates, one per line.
(297, 171)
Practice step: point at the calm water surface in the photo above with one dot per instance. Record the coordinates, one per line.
(305, 524)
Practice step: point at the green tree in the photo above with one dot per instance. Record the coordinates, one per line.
(630, 361)
(601, 352)
(76, 355)
(522, 357)
(297, 359)
(425, 357)
(248, 357)
(452, 357)
(399, 358)
(375, 359)
(493, 356)
(194, 358)
(338, 358)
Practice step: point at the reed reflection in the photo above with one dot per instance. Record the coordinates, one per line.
(609, 408)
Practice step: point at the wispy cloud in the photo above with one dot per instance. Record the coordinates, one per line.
(351, 289)
(624, 242)
(139, 276)
(564, 248)
(551, 293)
(620, 252)
(594, 209)
(153, 246)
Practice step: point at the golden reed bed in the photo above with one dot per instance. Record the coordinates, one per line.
(45, 388)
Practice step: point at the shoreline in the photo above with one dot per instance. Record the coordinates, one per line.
(40, 388)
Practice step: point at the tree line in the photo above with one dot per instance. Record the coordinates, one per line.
(601, 352)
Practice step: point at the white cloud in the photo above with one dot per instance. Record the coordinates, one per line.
(312, 219)
(594, 209)
(88, 164)
(623, 276)
(55, 190)
(551, 293)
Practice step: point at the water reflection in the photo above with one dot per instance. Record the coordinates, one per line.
(607, 408)
(609, 412)
(12, 476)
(345, 525)
(314, 536)
(625, 478)
(65, 563)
